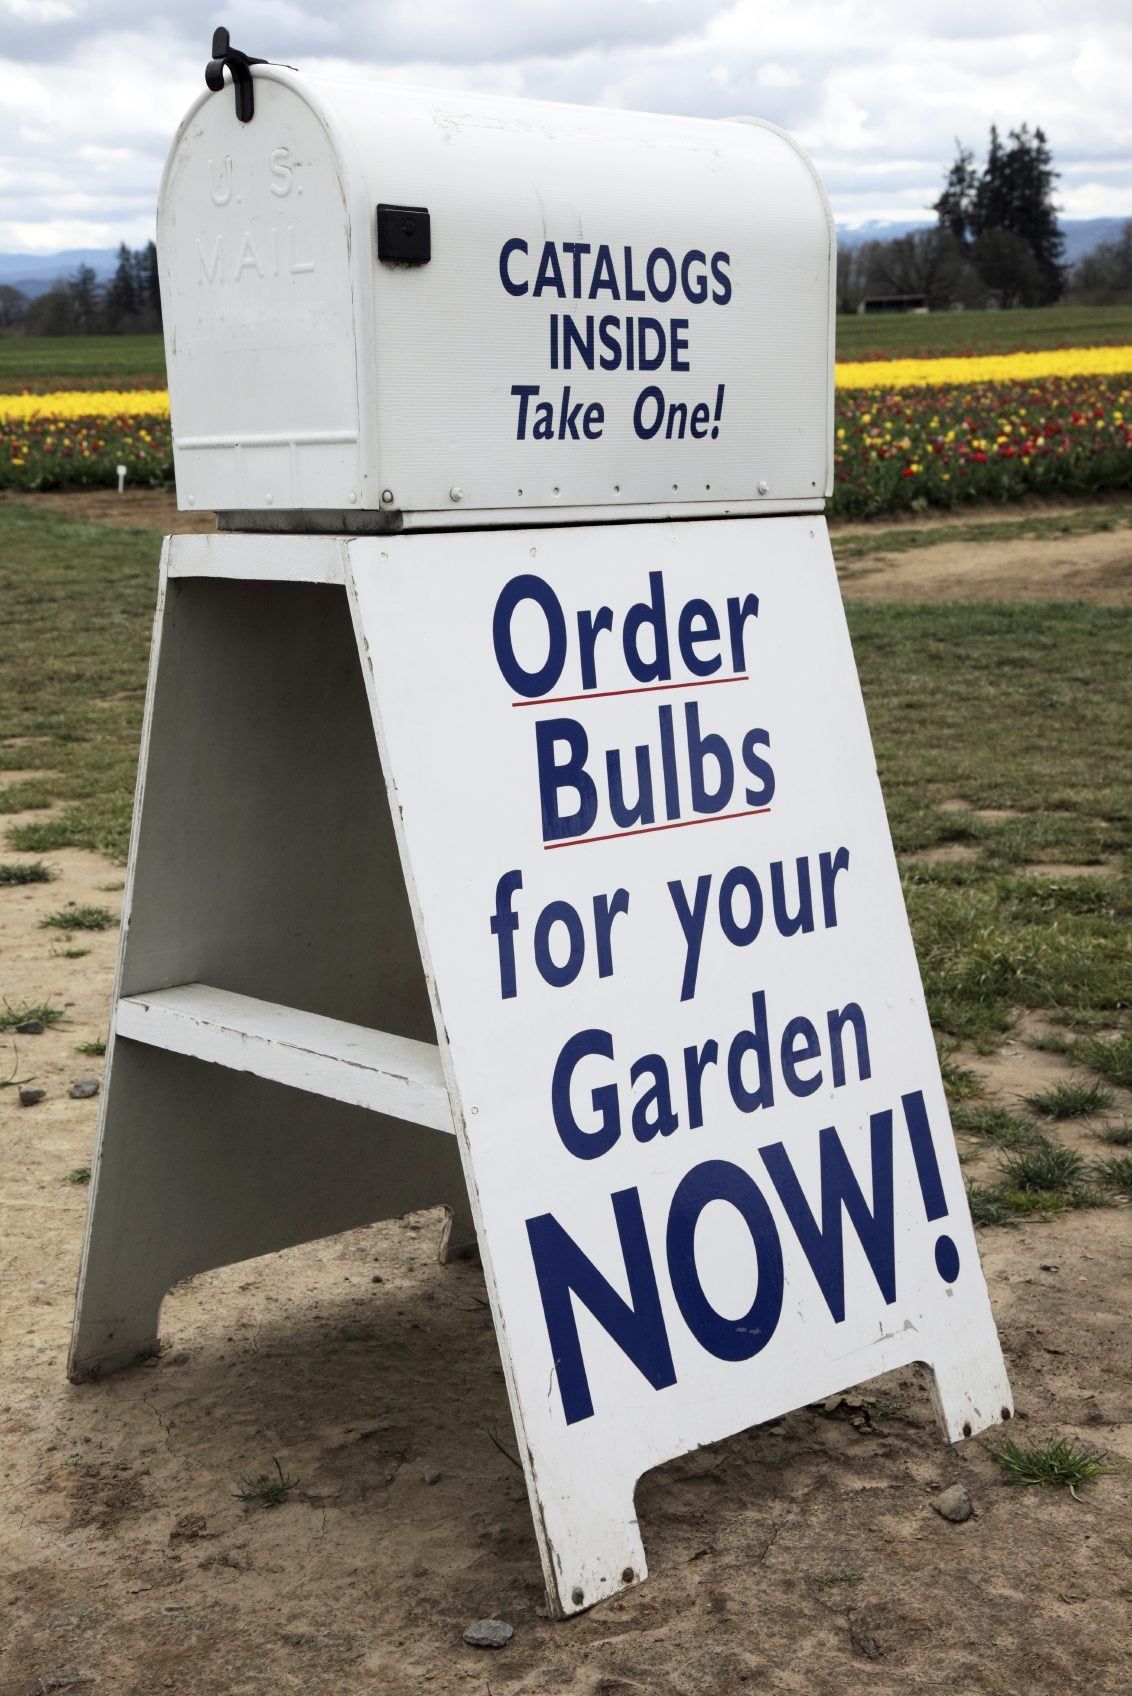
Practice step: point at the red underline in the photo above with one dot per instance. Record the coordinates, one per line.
(641, 689)
(648, 829)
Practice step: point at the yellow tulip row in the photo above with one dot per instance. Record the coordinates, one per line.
(989, 368)
(86, 403)
(885, 374)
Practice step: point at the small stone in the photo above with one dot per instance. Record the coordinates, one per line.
(954, 1504)
(31, 1097)
(1050, 1266)
(488, 1633)
(189, 1525)
(82, 1089)
(31, 1027)
(432, 1474)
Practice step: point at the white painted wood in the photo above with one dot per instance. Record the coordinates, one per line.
(307, 374)
(262, 859)
(736, 1316)
(293, 559)
(372, 1069)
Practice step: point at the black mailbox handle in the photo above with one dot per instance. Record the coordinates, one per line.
(224, 54)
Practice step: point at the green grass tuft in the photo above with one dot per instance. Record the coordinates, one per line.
(1058, 1460)
(95, 1048)
(1042, 1169)
(74, 917)
(1119, 1136)
(1110, 1056)
(1074, 1098)
(1115, 1173)
(43, 838)
(23, 1011)
(1009, 1130)
(79, 1175)
(267, 1491)
(31, 871)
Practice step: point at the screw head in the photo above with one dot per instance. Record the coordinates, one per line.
(455, 494)
(577, 1597)
(764, 488)
(352, 498)
(387, 496)
(628, 1575)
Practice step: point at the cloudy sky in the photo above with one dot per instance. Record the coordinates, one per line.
(877, 90)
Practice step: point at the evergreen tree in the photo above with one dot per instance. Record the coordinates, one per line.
(1012, 196)
(86, 300)
(122, 294)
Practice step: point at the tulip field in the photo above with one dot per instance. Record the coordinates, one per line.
(912, 433)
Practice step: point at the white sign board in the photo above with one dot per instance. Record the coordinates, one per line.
(690, 1061)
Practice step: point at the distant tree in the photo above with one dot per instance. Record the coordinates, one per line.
(1104, 276)
(51, 314)
(923, 262)
(1011, 196)
(852, 277)
(122, 292)
(955, 208)
(1007, 266)
(86, 300)
(13, 306)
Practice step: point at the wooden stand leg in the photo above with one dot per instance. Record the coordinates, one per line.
(199, 1166)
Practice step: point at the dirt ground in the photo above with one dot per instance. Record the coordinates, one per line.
(800, 1557)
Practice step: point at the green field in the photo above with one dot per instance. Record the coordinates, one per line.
(43, 363)
(116, 362)
(939, 334)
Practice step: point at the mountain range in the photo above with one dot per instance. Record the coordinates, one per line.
(35, 273)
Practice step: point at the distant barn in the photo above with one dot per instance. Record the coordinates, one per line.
(894, 303)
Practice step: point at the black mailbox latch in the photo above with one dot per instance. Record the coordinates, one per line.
(404, 235)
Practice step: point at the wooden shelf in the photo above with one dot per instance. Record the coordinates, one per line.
(386, 1074)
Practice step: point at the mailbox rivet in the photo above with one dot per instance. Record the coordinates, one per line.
(764, 488)
(352, 498)
(577, 1597)
(455, 494)
(192, 500)
(616, 488)
(270, 499)
(387, 495)
(554, 491)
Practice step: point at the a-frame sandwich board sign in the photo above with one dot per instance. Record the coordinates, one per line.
(679, 1030)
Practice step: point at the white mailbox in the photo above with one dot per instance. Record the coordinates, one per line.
(440, 310)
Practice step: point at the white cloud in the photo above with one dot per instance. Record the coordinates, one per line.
(878, 90)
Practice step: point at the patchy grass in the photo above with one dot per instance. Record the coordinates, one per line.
(78, 1175)
(1054, 684)
(24, 1011)
(26, 871)
(42, 838)
(1117, 1136)
(998, 1124)
(267, 1491)
(1110, 1056)
(1058, 1460)
(1036, 1177)
(95, 1048)
(961, 1083)
(1115, 1173)
(1029, 527)
(78, 606)
(71, 918)
(1072, 1098)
